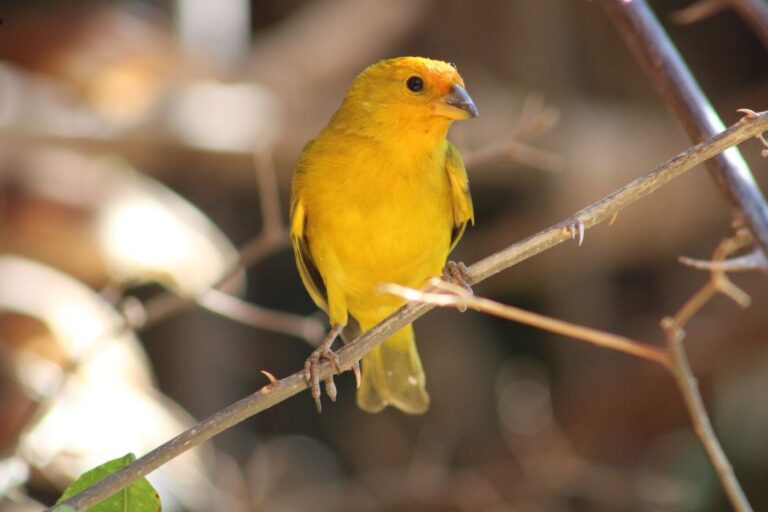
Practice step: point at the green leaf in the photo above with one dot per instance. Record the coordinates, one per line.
(140, 496)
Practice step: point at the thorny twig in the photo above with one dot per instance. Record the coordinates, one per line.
(276, 392)
(674, 330)
(673, 358)
(668, 72)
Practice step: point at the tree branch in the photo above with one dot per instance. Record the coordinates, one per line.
(669, 74)
(276, 392)
(459, 298)
(754, 12)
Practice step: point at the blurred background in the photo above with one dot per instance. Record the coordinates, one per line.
(146, 151)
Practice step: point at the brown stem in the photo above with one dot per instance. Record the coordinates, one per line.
(602, 210)
(670, 75)
(754, 12)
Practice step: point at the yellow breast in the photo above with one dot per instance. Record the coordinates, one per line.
(377, 216)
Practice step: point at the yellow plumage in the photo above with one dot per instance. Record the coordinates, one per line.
(381, 196)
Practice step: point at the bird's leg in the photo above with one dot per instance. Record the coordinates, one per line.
(458, 274)
(312, 367)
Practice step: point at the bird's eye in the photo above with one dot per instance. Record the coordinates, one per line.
(415, 84)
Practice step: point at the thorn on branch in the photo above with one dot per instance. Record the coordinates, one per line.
(751, 115)
(576, 231)
(272, 381)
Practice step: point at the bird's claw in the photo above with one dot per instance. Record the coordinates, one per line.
(358, 375)
(312, 368)
(458, 274)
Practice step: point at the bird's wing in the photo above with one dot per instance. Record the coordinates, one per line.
(463, 212)
(310, 275)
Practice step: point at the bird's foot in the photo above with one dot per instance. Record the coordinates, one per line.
(312, 367)
(458, 274)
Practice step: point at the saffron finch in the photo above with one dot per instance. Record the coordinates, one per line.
(381, 196)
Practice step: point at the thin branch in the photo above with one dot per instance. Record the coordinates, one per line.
(669, 74)
(274, 393)
(166, 305)
(699, 11)
(536, 118)
(459, 298)
(701, 424)
(269, 192)
(755, 260)
(754, 12)
(308, 328)
(674, 330)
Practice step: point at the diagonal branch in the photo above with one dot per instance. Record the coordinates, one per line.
(754, 12)
(670, 75)
(276, 392)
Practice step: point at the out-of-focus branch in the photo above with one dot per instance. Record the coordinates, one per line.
(754, 12)
(280, 390)
(673, 358)
(699, 11)
(309, 328)
(681, 370)
(702, 425)
(674, 81)
(273, 237)
(536, 118)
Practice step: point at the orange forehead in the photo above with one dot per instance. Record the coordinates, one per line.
(436, 72)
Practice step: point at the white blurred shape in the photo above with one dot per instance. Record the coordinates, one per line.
(107, 406)
(218, 31)
(524, 400)
(226, 117)
(146, 231)
(149, 233)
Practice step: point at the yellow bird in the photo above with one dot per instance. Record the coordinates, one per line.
(381, 196)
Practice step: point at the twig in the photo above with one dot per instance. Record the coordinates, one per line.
(673, 359)
(273, 236)
(674, 330)
(689, 388)
(458, 297)
(754, 12)
(269, 192)
(536, 118)
(599, 211)
(755, 260)
(699, 11)
(166, 305)
(674, 81)
(308, 328)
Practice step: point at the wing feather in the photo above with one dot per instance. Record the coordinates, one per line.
(310, 275)
(463, 212)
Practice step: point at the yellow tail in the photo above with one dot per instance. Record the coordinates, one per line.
(392, 375)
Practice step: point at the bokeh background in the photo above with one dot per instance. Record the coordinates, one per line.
(142, 144)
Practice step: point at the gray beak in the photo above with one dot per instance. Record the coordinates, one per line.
(460, 99)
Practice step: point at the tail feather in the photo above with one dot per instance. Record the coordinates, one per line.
(392, 375)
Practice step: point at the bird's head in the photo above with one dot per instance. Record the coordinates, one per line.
(408, 93)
